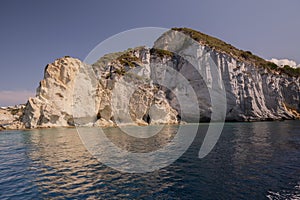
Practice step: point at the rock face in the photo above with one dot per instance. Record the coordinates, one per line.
(124, 88)
(126, 93)
(253, 93)
(70, 95)
(10, 117)
(52, 105)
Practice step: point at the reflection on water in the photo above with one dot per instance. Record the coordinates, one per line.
(65, 168)
(250, 161)
(61, 162)
(251, 139)
(141, 145)
(138, 155)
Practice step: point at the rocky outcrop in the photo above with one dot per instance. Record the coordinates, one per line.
(10, 117)
(70, 95)
(127, 88)
(126, 94)
(52, 105)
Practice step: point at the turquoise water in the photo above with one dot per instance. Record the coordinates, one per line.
(250, 161)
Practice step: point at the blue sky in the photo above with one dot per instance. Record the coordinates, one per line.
(34, 33)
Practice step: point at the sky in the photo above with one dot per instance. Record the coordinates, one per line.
(34, 33)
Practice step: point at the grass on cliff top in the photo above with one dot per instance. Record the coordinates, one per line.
(107, 58)
(290, 71)
(128, 59)
(161, 53)
(244, 56)
(125, 58)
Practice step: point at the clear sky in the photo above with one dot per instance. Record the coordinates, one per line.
(34, 33)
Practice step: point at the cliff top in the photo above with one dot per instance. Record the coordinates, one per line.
(243, 56)
(127, 57)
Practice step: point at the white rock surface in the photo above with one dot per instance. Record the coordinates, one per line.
(111, 92)
(10, 117)
(252, 92)
(52, 106)
(71, 94)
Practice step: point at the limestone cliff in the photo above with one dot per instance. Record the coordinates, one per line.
(69, 95)
(255, 89)
(52, 105)
(123, 88)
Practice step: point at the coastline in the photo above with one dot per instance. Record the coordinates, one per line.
(126, 87)
(11, 119)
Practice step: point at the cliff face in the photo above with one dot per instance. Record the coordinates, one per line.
(71, 94)
(253, 93)
(52, 105)
(126, 88)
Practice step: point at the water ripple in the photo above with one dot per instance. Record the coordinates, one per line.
(250, 161)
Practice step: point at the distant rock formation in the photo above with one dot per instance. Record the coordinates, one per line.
(121, 90)
(10, 117)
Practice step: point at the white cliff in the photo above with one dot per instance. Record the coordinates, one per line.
(253, 92)
(52, 105)
(71, 94)
(141, 86)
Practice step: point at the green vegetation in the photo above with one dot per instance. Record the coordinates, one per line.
(161, 53)
(125, 56)
(272, 65)
(128, 59)
(290, 71)
(107, 58)
(244, 56)
(209, 41)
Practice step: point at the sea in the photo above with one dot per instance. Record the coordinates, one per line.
(252, 160)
